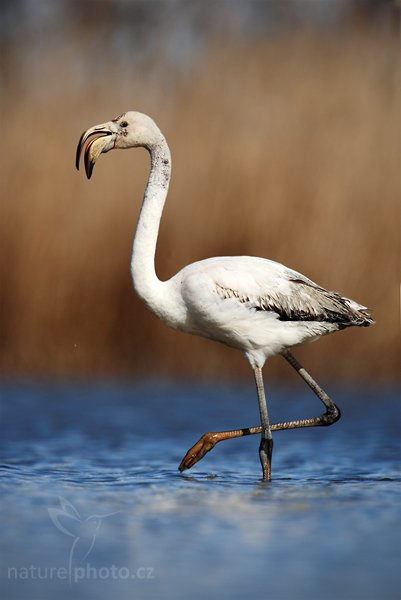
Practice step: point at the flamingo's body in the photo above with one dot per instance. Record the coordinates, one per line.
(256, 305)
(253, 304)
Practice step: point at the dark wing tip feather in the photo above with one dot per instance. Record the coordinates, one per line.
(307, 302)
(334, 308)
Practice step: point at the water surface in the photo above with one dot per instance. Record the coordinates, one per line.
(93, 505)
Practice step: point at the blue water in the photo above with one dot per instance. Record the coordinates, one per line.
(92, 504)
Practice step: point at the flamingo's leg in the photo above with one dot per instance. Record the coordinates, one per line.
(266, 442)
(209, 440)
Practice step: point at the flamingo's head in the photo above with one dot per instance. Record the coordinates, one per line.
(129, 130)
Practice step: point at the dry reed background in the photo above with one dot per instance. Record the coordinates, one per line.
(284, 146)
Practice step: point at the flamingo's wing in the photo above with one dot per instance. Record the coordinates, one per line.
(264, 285)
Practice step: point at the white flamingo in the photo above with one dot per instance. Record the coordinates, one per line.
(253, 304)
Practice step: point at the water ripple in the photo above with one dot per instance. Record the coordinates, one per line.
(216, 530)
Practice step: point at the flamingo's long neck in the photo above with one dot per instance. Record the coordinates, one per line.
(146, 283)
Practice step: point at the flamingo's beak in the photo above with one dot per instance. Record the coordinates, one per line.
(101, 139)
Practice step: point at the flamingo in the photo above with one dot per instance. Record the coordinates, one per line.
(256, 305)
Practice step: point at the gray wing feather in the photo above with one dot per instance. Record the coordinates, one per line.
(305, 301)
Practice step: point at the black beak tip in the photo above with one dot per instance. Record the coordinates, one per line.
(89, 169)
(78, 151)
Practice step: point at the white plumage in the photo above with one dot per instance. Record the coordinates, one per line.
(253, 304)
(258, 306)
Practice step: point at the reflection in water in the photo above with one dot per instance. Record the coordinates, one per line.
(326, 527)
